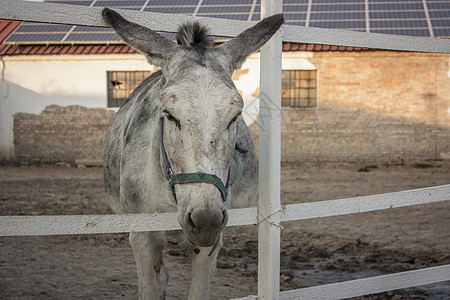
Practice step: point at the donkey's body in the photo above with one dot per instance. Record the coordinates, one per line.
(189, 112)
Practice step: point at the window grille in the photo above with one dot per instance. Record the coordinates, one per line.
(122, 83)
(299, 88)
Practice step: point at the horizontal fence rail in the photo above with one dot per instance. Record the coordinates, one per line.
(96, 224)
(91, 16)
(366, 286)
(370, 285)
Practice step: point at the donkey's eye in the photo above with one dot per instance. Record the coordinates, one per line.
(232, 121)
(172, 119)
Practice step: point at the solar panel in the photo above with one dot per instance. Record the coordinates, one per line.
(124, 3)
(408, 17)
(404, 18)
(171, 10)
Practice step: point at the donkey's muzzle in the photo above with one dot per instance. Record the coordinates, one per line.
(202, 226)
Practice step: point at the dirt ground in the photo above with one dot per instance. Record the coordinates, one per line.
(314, 251)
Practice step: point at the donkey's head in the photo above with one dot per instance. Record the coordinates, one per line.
(199, 107)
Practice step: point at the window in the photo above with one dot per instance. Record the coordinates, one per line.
(299, 88)
(122, 83)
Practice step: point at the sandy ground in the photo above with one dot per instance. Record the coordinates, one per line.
(313, 251)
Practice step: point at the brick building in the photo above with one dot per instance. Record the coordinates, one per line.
(340, 104)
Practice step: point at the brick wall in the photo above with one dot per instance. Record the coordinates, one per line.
(373, 107)
(61, 134)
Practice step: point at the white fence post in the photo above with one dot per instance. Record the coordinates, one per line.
(270, 159)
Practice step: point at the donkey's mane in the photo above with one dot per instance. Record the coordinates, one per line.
(193, 34)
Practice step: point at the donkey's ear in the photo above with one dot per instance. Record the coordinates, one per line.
(239, 48)
(157, 48)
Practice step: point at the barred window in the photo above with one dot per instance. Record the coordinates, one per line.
(299, 88)
(122, 83)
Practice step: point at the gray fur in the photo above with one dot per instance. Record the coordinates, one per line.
(196, 97)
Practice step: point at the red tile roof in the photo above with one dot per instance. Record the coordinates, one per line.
(23, 49)
(317, 47)
(6, 27)
(20, 49)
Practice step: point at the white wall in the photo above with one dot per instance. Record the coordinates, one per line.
(30, 83)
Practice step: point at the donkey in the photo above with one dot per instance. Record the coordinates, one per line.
(179, 144)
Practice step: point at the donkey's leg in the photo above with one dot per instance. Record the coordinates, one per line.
(148, 252)
(203, 266)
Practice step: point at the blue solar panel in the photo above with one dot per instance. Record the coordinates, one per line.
(92, 37)
(338, 16)
(299, 16)
(399, 24)
(122, 3)
(225, 9)
(396, 6)
(404, 31)
(294, 2)
(226, 2)
(339, 24)
(33, 27)
(441, 23)
(92, 29)
(438, 5)
(444, 32)
(242, 17)
(334, 2)
(171, 10)
(296, 23)
(294, 8)
(439, 14)
(172, 2)
(41, 37)
(338, 7)
(397, 14)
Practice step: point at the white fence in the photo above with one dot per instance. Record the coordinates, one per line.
(270, 213)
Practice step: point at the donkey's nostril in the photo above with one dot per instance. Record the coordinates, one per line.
(189, 220)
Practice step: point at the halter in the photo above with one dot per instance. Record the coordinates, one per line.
(193, 177)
